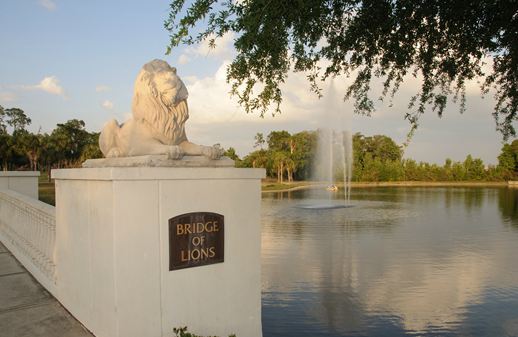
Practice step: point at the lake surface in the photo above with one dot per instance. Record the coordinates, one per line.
(401, 262)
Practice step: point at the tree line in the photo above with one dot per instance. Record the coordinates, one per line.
(288, 157)
(68, 145)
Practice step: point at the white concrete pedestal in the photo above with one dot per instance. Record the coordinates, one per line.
(112, 250)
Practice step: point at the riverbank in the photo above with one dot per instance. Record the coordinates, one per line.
(268, 186)
(47, 194)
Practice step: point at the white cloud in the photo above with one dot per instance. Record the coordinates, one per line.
(7, 96)
(102, 88)
(217, 117)
(444, 292)
(183, 59)
(210, 100)
(188, 80)
(212, 108)
(49, 84)
(107, 104)
(47, 4)
(223, 49)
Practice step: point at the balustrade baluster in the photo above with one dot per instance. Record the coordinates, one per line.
(30, 226)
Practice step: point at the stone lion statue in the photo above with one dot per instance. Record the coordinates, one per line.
(159, 114)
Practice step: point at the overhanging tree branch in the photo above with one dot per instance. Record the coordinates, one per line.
(443, 42)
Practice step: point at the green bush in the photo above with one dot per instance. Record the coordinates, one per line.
(182, 332)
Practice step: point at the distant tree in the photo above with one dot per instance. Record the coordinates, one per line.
(443, 43)
(291, 154)
(91, 148)
(383, 147)
(13, 117)
(411, 170)
(259, 140)
(290, 167)
(256, 159)
(375, 158)
(28, 145)
(303, 145)
(448, 175)
(231, 153)
(3, 125)
(69, 139)
(371, 153)
(14, 148)
(50, 153)
(6, 150)
(493, 173)
(508, 160)
(474, 168)
(458, 171)
(279, 141)
(280, 159)
(17, 119)
(371, 168)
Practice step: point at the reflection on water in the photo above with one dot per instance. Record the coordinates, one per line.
(508, 205)
(401, 262)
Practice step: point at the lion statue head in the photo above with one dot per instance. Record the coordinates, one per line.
(160, 99)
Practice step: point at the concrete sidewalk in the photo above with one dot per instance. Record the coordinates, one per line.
(27, 309)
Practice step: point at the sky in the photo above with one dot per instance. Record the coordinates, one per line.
(62, 60)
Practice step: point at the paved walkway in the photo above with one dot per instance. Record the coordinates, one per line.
(27, 309)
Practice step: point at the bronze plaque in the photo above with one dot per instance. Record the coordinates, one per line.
(196, 239)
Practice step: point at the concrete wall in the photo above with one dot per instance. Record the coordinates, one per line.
(24, 182)
(112, 250)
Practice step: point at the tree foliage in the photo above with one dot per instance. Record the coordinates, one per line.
(14, 118)
(288, 157)
(376, 158)
(445, 43)
(68, 145)
(259, 140)
(508, 159)
(231, 153)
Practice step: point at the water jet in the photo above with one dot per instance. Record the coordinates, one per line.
(332, 163)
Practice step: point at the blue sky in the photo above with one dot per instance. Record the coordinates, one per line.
(78, 59)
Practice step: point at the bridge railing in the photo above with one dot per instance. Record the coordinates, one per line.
(28, 230)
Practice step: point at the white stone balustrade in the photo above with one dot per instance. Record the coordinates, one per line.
(28, 230)
(24, 182)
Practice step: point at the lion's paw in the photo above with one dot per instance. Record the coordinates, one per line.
(114, 153)
(175, 152)
(213, 152)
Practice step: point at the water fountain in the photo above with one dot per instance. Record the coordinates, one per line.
(332, 164)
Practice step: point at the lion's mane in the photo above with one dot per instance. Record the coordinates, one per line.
(165, 118)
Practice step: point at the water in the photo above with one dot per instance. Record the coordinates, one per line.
(401, 262)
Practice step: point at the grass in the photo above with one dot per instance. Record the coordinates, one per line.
(46, 189)
(272, 185)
